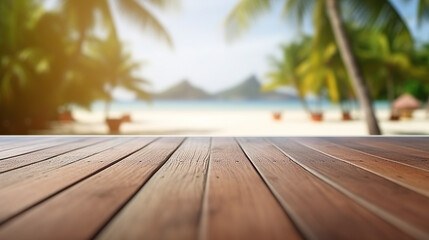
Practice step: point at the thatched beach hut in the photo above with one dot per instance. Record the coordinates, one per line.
(405, 105)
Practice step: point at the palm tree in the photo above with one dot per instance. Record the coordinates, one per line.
(388, 60)
(82, 16)
(40, 71)
(379, 13)
(17, 56)
(324, 70)
(23, 65)
(284, 72)
(422, 11)
(118, 69)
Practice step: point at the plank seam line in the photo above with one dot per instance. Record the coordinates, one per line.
(106, 223)
(286, 209)
(14, 147)
(371, 171)
(385, 158)
(39, 149)
(70, 185)
(85, 157)
(92, 144)
(382, 214)
(369, 142)
(415, 145)
(99, 152)
(202, 223)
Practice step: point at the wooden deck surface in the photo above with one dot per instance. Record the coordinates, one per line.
(214, 188)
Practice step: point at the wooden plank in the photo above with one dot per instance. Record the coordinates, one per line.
(36, 146)
(420, 143)
(238, 204)
(318, 209)
(169, 204)
(80, 211)
(415, 142)
(400, 206)
(12, 163)
(24, 143)
(27, 192)
(415, 161)
(410, 177)
(38, 169)
(21, 139)
(15, 142)
(396, 147)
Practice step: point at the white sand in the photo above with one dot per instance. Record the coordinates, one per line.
(239, 123)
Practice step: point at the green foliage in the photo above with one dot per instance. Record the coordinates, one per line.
(50, 60)
(422, 11)
(417, 88)
(118, 67)
(239, 18)
(378, 14)
(389, 63)
(284, 70)
(380, 38)
(82, 17)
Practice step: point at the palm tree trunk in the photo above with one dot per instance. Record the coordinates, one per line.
(319, 102)
(352, 66)
(390, 89)
(301, 96)
(304, 104)
(107, 109)
(427, 108)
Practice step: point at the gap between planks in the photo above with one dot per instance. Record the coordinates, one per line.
(378, 194)
(102, 194)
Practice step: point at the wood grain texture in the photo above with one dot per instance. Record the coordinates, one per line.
(400, 148)
(84, 208)
(44, 154)
(201, 188)
(421, 161)
(38, 169)
(397, 147)
(415, 142)
(29, 191)
(7, 143)
(169, 204)
(238, 204)
(28, 148)
(318, 209)
(372, 191)
(420, 143)
(410, 177)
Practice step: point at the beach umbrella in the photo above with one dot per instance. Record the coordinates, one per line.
(405, 105)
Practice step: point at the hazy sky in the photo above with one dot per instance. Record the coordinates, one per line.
(201, 53)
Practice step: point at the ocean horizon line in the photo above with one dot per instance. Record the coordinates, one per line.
(221, 104)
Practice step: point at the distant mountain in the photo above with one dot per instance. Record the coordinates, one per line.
(250, 88)
(183, 90)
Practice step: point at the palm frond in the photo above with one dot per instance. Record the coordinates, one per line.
(163, 4)
(142, 17)
(80, 13)
(238, 20)
(298, 10)
(422, 11)
(379, 14)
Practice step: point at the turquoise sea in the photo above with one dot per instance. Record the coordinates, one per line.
(274, 105)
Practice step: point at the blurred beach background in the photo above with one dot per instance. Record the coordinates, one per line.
(218, 68)
(224, 118)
